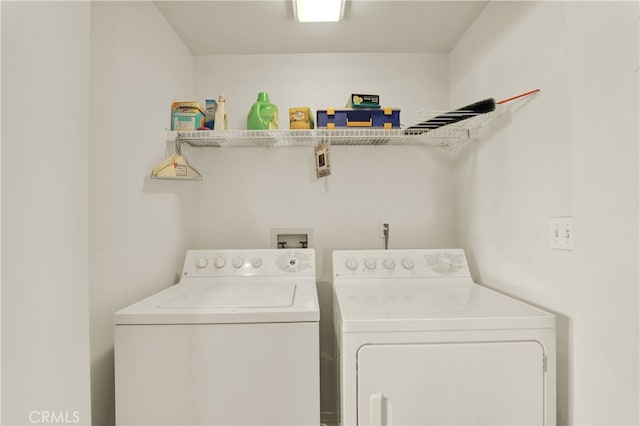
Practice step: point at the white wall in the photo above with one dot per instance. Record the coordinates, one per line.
(570, 151)
(248, 191)
(45, 311)
(0, 225)
(137, 226)
(605, 172)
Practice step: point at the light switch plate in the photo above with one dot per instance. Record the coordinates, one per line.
(561, 233)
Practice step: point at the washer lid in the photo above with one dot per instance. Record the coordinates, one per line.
(233, 296)
(238, 300)
(415, 305)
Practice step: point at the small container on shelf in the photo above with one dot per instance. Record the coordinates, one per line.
(210, 113)
(300, 118)
(221, 114)
(385, 118)
(357, 100)
(186, 116)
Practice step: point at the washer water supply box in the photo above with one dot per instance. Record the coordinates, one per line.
(386, 118)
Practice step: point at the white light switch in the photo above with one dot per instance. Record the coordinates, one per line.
(561, 233)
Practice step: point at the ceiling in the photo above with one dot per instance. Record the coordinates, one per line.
(268, 26)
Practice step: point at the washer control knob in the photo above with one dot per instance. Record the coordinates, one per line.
(256, 262)
(219, 262)
(389, 263)
(201, 262)
(237, 262)
(370, 264)
(407, 263)
(351, 264)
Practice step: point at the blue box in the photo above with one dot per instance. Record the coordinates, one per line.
(211, 105)
(385, 118)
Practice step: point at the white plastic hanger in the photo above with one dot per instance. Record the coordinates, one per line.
(176, 167)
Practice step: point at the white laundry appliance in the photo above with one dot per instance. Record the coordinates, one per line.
(235, 342)
(419, 343)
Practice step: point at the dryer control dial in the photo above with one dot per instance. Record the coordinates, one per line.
(237, 262)
(256, 262)
(219, 262)
(351, 264)
(407, 263)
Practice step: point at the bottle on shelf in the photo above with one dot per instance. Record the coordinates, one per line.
(263, 114)
(220, 122)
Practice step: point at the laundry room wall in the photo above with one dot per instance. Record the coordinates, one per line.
(45, 303)
(248, 191)
(138, 227)
(571, 150)
(605, 181)
(0, 221)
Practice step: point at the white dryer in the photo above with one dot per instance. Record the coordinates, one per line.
(421, 344)
(235, 342)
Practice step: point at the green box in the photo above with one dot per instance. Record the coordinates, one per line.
(357, 100)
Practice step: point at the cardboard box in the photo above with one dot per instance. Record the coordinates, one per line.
(386, 118)
(300, 118)
(357, 100)
(211, 105)
(186, 116)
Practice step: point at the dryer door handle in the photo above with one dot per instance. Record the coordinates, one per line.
(377, 410)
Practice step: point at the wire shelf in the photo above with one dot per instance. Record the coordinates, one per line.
(446, 129)
(449, 136)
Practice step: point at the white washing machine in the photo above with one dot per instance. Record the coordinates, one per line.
(421, 344)
(235, 342)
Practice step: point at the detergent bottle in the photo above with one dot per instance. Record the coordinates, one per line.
(220, 122)
(263, 114)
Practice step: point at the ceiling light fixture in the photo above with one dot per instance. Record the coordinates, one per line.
(318, 10)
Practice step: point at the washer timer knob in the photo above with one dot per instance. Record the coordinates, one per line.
(351, 264)
(407, 263)
(201, 262)
(389, 263)
(370, 264)
(237, 262)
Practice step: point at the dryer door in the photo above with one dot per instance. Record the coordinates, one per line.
(488, 383)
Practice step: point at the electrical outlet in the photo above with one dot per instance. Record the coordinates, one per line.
(381, 226)
(561, 233)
